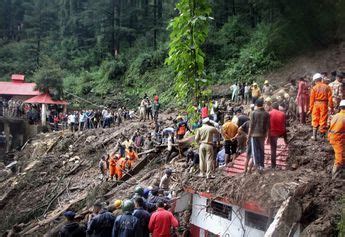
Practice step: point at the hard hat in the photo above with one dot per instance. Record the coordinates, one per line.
(317, 76)
(286, 96)
(179, 117)
(268, 99)
(118, 203)
(69, 214)
(255, 84)
(156, 98)
(342, 103)
(168, 171)
(139, 190)
(266, 82)
(128, 206)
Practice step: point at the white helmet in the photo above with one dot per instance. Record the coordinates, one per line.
(317, 76)
(342, 103)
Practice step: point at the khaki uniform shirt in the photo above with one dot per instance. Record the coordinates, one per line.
(205, 134)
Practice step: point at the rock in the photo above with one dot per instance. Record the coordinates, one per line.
(73, 159)
(281, 191)
(2, 165)
(318, 228)
(285, 220)
(4, 175)
(90, 139)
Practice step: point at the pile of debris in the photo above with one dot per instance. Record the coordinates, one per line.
(58, 171)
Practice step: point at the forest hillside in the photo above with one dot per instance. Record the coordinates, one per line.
(112, 51)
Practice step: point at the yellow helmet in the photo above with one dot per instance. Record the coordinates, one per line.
(118, 204)
(266, 82)
(179, 117)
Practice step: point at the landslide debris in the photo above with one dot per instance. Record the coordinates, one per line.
(58, 171)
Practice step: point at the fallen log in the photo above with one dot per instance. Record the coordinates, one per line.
(54, 215)
(55, 197)
(53, 145)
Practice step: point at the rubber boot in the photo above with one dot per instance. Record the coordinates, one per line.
(314, 137)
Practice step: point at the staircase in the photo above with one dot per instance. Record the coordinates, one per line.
(282, 155)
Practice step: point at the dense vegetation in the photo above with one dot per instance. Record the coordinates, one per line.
(112, 50)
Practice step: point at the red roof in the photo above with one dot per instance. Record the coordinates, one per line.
(17, 78)
(15, 88)
(281, 160)
(45, 99)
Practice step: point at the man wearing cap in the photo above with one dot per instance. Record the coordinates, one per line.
(71, 228)
(182, 128)
(258, 131)
(336, 87)
(229, 131)
(204, 136)
(156, 107)
(320, 100)
(267, 89)
(302, 99)
(256, 92)
(102, 223)
(126, 225)
(336, 136)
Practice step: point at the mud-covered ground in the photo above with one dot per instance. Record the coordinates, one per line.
(59, 171)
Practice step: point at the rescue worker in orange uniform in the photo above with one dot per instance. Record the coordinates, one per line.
(120, 167)
(131, 157)
(320, 100)
(112, 166)
(336, 136)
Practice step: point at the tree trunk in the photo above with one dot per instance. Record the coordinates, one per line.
(155, 8)
(118, 26)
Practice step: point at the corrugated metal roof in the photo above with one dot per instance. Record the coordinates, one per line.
(45, 99)
(14, 88)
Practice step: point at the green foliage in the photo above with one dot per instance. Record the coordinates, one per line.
(228, 41)
(246, 39)
(189, 32)
(49, 79)
(255, 58)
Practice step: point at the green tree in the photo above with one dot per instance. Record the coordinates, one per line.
(49, 79)
(189, 32)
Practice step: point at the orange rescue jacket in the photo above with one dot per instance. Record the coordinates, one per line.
(321, 92)
(336, 131)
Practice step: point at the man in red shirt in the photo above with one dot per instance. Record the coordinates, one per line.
(161, 222)
(277, 129)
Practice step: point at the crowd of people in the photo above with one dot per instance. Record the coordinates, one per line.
(145, 212)
(226, 129)
(13, 107)
(223, 130)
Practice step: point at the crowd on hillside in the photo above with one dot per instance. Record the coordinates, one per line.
(226, 128)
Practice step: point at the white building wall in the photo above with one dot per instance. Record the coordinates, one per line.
(218, 225)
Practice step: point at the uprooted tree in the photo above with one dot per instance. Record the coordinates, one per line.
(189, 32)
